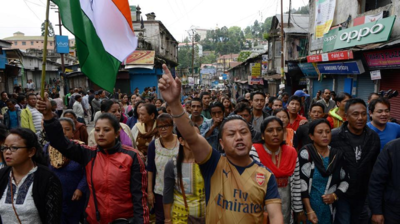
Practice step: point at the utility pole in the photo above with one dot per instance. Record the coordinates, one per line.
(290, 7)
(193, 54)
(282, 52)
(46, 33)
(62, 90)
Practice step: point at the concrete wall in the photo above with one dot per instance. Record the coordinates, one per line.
(160, 40)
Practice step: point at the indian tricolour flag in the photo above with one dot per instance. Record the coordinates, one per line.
(104, 36)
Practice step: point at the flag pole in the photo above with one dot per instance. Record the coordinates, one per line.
(46, 33)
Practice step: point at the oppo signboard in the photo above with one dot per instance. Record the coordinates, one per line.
(374, 32)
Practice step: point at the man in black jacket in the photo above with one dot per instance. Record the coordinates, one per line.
(361, 147)
(384, 194)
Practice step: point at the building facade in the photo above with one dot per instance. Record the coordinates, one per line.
(361, 63)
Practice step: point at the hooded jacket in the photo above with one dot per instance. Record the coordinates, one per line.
(359, 172)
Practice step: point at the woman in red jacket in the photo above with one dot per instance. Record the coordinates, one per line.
(116, 175)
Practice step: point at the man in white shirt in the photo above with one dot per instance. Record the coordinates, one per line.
(78, 109)
(86, 106)
(30, 84)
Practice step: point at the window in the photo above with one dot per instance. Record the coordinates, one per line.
(31, 42)
(23, 43)
(16, 42)
(368, 5)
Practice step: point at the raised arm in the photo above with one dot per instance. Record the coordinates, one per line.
(55, 136)
(170, 89)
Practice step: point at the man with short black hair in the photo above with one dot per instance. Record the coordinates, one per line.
(372, 96)
(326, 100)
(233, 178)
(196, 107)
(285, 97)
(258, 102)
(244, 111)
(379, 109)
(205, 100)
(96, 103)
(302, 136)
(210, 128)
(293, 108)
(30, 117)
(78, 109)
(317, 97)
(276, 104)
(360, 146)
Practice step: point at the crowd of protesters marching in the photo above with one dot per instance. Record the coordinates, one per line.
(199, 157)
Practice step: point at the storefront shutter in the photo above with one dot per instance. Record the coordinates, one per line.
(391, 80)
(365, 86)
(339, 87)
(326, 83)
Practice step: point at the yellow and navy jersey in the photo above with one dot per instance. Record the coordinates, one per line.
(236, 194)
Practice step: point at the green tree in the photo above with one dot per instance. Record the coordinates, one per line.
(209, 59)
(243, 55)
(50, 29)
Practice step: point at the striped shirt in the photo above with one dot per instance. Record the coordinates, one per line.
(37, 118)
(295, 188)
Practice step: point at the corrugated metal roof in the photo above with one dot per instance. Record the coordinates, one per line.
(299, 23)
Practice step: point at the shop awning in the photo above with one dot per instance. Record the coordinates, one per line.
(140, 59)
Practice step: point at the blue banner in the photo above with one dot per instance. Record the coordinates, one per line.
(62, 44)
(344, 68)
(308, 69)
(3, 59)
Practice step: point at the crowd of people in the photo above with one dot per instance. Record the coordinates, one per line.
(201, 157)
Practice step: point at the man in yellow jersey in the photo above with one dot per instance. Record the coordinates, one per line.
(237, 187)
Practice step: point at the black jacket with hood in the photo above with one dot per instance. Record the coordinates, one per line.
(359, 172)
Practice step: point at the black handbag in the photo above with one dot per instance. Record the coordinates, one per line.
(117, 221)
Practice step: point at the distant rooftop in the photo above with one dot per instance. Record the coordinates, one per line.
(299, 22)
(21, 36)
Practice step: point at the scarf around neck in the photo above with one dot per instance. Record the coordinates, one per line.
(334, 156)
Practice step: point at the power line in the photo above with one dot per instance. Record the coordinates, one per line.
(186, 13)
(41, 5)
(32, 10)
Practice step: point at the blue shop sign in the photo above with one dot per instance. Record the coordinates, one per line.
(308, 69)
(224, 76)
(62, 44)
(344, 68)
(3, 59)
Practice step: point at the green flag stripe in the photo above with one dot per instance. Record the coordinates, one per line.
(96, 63)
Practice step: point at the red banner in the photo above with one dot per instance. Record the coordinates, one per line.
(333, 56)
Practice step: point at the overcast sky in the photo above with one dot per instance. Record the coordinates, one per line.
(177, 15)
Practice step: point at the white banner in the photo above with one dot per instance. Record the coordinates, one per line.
(324, 12)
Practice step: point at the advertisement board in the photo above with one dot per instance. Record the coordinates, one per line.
(62, 44)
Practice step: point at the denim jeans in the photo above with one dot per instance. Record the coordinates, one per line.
(352, 211)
